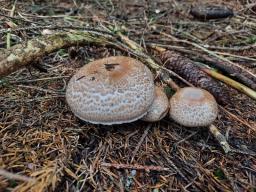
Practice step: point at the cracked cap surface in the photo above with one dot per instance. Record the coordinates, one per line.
(193, 107)
(111, 90)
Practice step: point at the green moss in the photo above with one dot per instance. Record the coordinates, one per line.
(168, 91)
(251, 39)
(63, 52)
(219, 174)
(13, 183)
(75, 37)
(4, 82)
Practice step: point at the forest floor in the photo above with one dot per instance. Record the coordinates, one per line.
(46, 148)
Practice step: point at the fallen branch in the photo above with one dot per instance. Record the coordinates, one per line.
(27, 52)
(23, 54)
(232, 71)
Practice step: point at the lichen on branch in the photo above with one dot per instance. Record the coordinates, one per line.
(23, 54)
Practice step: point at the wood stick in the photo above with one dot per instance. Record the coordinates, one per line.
(25, 53)
(137, 167)
(140, 142)
(220, 138)
(240, 87)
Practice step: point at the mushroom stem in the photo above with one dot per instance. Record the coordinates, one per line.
(165, 77)
(220, 138)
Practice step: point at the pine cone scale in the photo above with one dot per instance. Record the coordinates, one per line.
(185, 68)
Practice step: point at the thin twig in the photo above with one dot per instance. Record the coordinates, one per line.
(138, 167)
(140, 142)
(207, 51)
(8, 37)
(171, 163)
(244, 122)
(13, 176)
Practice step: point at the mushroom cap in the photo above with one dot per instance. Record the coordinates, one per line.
(193, 107)
(111, 90)
(159, 108)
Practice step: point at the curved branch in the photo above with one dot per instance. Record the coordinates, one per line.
(23, 54)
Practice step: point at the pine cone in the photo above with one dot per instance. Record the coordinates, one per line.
(185, 68)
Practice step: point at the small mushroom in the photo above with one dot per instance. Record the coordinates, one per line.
(111, 90)
(159, 108)
(193, 107)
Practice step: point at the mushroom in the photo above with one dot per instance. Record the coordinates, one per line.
(159, 108)
(193, 107)
(111, 90)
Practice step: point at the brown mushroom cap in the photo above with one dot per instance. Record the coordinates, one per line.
(159, 108)
(111, 90)
(193, 107)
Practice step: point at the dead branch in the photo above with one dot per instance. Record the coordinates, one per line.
(233, 71)
(23, 54)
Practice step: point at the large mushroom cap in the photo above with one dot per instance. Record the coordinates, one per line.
(112, 90)
(159, 108)
(193, 107)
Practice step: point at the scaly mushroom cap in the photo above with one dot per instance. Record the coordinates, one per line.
(159, 108)
(111, 90)
(193, 107)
